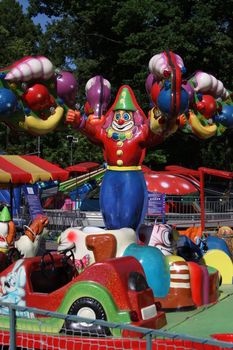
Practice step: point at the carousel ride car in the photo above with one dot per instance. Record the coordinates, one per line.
(115, 290)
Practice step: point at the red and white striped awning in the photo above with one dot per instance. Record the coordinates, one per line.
(28, 169)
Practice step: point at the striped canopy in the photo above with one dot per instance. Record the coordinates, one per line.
(84, 167)
(28, 169)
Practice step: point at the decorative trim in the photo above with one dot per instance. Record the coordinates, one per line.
(124, 168)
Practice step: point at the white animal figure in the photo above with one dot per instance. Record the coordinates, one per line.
(12, 286)
(75, 238)
(164, 238)
(12, 289)
(28, 244)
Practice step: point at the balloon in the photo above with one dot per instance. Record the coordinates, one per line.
(8, 101)
(30, 68)
(160, 66)
(207, 106)
(67, 88)
(98, 94)
(30, 93)
(37, 98)
(155, 90)
(226, 116)
(207, 83)
(150, 80)
(165, 99)
(189, 89)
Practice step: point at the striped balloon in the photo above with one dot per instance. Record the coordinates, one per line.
(31, 68)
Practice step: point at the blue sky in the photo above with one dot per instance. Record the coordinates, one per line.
(39, 19)
(42, 20)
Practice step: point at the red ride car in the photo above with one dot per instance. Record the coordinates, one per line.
(114, 290)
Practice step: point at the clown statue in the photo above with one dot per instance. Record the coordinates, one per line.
(124, 133)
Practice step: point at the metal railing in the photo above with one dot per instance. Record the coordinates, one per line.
(181, 211)
(59, 219)
(17, 336)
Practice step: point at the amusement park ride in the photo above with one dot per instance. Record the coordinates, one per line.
(169, 270)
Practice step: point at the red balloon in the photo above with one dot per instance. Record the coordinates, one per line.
(37, 98)
(207, 106)
(155, 90)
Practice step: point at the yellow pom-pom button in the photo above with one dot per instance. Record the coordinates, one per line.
(120, 162)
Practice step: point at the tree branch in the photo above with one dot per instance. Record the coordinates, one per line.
(106, 38)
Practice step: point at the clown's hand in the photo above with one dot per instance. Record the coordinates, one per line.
(95, 120)
(73, 117)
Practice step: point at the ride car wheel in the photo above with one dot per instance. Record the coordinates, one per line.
(87, 308)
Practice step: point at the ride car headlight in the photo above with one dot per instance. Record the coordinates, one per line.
(137, 282)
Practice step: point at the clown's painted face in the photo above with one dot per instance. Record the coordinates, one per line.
(122, 120)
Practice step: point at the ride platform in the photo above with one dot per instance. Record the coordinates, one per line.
(204, 321)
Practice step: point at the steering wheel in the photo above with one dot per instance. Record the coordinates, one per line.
(68, 259)
(13, 255)
(47, 264)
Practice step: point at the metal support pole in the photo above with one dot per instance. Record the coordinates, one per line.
(38, 146)
(71, 153)
(7, 136)
(12, 328)
(149, 341)
(71, 139)
(202, 200)
(11, 200)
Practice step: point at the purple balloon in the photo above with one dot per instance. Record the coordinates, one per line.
(150, 80)
(67, 88)
(189, 89)
(98, 93)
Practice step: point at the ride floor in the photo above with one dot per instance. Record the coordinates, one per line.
(204, 321)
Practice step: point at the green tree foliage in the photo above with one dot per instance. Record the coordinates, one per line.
(116, 39)
(18, 35)
(57, 149)
(19, 38)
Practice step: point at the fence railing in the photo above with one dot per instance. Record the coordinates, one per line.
(181, 211)
(59, 219)
(20, 334)
(186, 210)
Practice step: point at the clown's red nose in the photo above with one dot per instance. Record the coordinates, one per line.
(121, 121)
